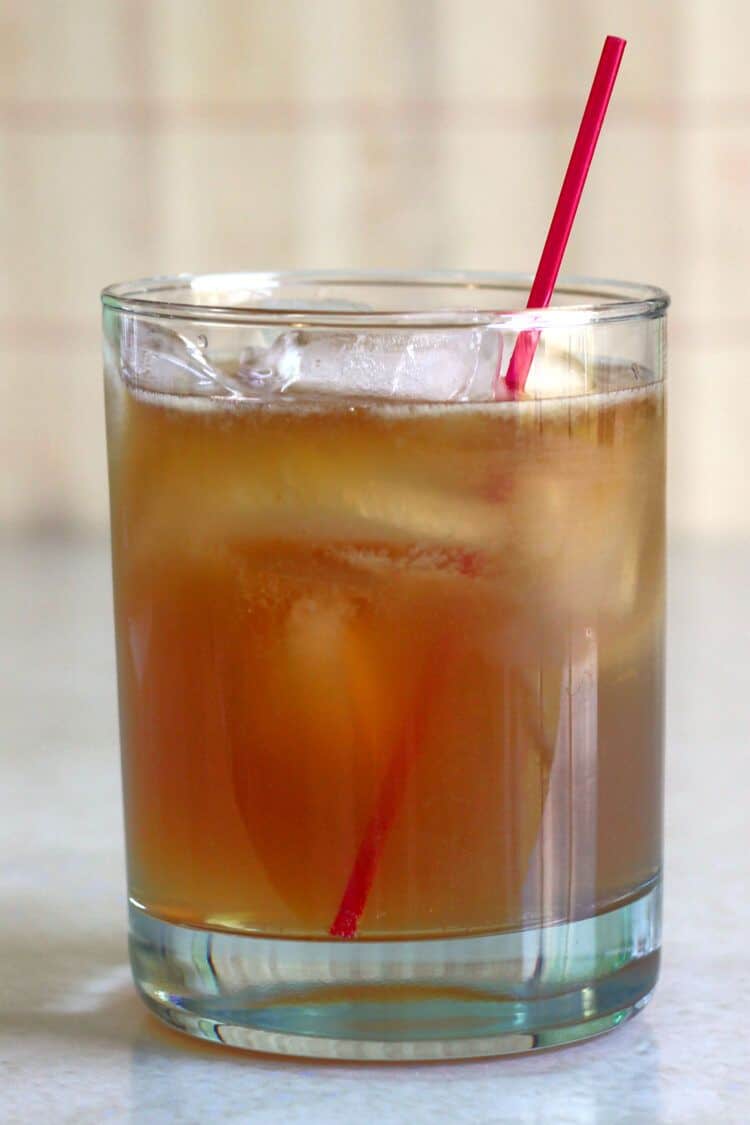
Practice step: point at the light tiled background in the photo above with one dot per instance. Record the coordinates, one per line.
(145, 136)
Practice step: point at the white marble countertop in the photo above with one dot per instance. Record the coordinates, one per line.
(75, 1043)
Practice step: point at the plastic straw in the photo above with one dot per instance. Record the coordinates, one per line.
(567, 205)
(387, 804)
(387, 801)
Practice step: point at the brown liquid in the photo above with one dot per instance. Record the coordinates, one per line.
(301, 592)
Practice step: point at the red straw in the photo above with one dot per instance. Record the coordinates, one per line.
(567, 205)
(357, 889)
(386, 804)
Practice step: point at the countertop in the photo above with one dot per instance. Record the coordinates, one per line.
(75, 1042)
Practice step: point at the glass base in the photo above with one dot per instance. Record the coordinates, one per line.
(458, 997)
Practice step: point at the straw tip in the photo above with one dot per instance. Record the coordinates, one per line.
(616, 41)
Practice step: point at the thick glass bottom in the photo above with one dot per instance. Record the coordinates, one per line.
(458, 997)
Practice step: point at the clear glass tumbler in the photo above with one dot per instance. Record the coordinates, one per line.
(390, 657)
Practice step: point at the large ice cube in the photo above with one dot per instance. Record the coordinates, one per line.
(557, 372)
(429, 364)
(157, 359)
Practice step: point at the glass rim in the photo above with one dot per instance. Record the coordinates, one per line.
(601, 300)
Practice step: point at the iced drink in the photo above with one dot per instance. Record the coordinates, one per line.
(404, 650)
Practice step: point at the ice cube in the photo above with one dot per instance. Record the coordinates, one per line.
(557, 373)
(157, 359)
(438, 365)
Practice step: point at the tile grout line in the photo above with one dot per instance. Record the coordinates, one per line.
(156, 115)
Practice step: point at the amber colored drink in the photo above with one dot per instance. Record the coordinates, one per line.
(390, 657)
(336, 610)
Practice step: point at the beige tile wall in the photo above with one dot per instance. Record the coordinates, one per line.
(141, 136)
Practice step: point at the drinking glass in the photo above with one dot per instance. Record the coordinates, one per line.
(390, 657)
